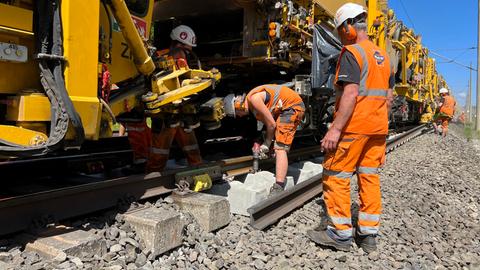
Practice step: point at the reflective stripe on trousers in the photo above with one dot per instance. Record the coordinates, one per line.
(139, 137)
(363, 154)
(162, 142)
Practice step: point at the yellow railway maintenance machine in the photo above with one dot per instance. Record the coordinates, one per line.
(69, 68)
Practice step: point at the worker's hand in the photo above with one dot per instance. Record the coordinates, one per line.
(264, 151)
(330, 141)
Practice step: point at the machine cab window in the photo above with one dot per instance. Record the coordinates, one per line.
(138, 7)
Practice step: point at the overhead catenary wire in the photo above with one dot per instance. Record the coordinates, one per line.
(406, 13)
(452, 61)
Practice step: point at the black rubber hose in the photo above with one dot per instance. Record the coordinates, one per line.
(57, 49)
(49, 38)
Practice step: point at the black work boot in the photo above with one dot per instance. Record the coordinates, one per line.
(367, 242)
(322, 238)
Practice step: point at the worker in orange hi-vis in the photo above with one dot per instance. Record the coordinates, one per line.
(446, 112)
(356, 140)
(164, 131)
(281, 110)
(139, 137)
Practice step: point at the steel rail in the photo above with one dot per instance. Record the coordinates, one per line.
(55, 205)
(19, 213)
(271, 210)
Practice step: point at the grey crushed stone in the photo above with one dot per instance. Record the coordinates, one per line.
(431, 220)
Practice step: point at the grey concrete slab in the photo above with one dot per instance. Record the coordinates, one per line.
(56, 241)
(160, 230)
(211, 211)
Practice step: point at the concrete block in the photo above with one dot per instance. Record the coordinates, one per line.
(5, 266)
(254, 189)
(211, 211)
(160, 230)
(53, 242)
(303, 171)
(242, 196)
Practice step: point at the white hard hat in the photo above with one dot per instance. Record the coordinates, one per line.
(185, 35)
(348, 11)
(443, 90)
(229, 105)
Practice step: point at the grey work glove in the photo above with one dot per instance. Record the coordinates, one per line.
(263, 152)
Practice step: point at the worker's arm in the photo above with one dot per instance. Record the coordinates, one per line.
(257, 101)
(343, 114)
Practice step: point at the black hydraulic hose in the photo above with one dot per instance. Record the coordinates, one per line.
(49, 38)
(57, 49)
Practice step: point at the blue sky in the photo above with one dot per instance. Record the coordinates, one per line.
(447, 27)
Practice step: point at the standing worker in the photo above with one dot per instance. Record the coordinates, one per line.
(356, 140)
(446, 112)
(281, 110)
(164, 131)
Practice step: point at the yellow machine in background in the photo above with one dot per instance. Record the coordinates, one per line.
(417, 80)
(56, 84)
(73, 70)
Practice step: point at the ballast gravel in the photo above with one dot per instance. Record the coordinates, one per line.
(431, 220)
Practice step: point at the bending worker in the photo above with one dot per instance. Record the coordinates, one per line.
(447, 110)
(281, 110)
(164, 131)
(356, 140)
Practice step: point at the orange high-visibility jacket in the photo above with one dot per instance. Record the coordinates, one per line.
(448, 106)
(281, 98)
(370, 116)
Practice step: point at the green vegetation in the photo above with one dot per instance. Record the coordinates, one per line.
(469, 131)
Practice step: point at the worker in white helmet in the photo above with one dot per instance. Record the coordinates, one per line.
(446, 111)
(356, 140)
(175, 127)
(181, 49)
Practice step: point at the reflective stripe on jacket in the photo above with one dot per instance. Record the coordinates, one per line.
(281, 98)
(448, 106)
(370, 116)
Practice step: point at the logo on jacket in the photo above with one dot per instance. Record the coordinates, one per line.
(379, 58)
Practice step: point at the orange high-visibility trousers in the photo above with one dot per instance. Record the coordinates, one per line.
(364, 155)
(139, 137)
(162, 142)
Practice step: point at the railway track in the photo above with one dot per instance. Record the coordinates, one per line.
(41, 208)
(271, 210)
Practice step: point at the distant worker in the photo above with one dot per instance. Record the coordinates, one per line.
(447, 110)
(356, 140)
(164, 131)
(281, 110)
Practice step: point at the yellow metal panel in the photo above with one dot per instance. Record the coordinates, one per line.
(15, 17)
(80, 34)
(90, 111)
(22, 136)
(19, 76)
(122, 66)
(34, 107)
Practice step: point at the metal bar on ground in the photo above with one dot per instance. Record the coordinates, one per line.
(271, 210)
(69, 202)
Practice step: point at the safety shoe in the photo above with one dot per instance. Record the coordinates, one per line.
(367, 242)
(275, 190)
(322, 238)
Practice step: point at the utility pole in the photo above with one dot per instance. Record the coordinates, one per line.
(477, 109)
(469, 98)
